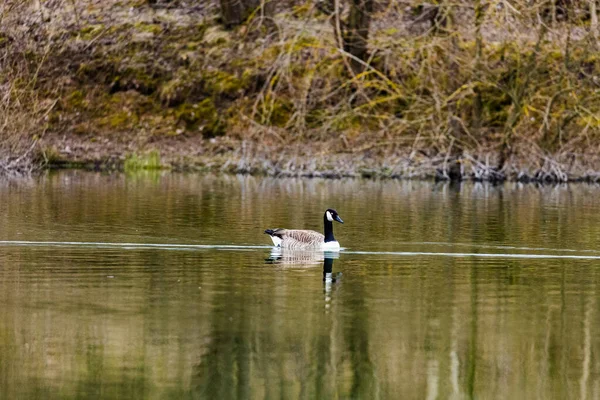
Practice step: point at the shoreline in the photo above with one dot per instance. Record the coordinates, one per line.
(301, 160)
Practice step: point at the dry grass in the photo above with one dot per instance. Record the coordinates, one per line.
(492, 90)
(24, 110)
(492, 85)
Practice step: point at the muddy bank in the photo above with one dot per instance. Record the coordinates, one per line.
(326, 159)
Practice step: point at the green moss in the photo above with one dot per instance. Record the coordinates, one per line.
(301, 43)
(100, 70)
(4, 40)
(182, 85)
(315, 118)
(390, 31)
(194, 33)
(496, 105)
(75, 101)
(216, 36)
(80, 129)
(223, 83)
(171, 91)
(193, 45)
(90, 32)
(556, 55)
(118, 120)
(346, 122)
(202, 117)
(276, 112)
(123, 110)
(148, 27)
(301, 10)
(188, 115)
(131, 67)
(281, 113)
(138, 78)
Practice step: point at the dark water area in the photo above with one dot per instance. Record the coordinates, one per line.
(164, 286)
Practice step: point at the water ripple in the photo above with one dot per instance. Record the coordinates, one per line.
(231, 247)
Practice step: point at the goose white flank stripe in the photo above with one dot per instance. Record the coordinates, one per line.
(298, 239)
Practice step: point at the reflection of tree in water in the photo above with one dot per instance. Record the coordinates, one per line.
(356, 336)
(224, 370)
(308, 356)
(257, 348)
(324, 344)
(472, 363)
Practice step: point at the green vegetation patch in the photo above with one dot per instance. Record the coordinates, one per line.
(149, 161)
(148, 27)
(221, 83)
(201, 117)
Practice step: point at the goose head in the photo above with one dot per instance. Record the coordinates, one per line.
(332, 215)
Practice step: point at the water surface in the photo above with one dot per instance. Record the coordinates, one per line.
(164, 286)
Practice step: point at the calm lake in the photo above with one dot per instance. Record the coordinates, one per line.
(162, 286)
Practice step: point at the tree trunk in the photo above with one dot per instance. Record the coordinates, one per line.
(594, 18)
(234, 12)
(477, 104)
(353, 33)
(356, 32)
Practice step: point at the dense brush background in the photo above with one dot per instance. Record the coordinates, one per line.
(480, 89)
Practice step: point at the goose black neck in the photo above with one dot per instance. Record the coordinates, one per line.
(328, 229)
(327, 268)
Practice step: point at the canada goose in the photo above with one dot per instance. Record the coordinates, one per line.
(305, 239)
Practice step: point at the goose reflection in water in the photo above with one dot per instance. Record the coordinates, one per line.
(298, 258)
(328, 276)
(329, 280)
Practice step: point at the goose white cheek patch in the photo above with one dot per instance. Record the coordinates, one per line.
(329, 217)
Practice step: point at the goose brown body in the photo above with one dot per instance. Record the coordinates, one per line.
(300, 239)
